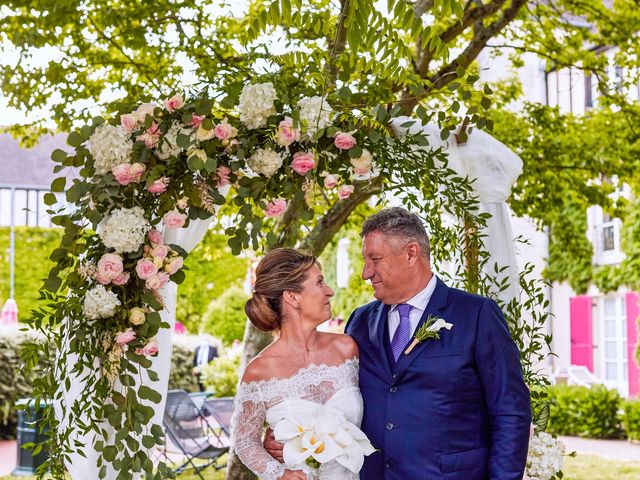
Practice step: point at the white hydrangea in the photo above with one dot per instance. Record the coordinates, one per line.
(109, 146)
(168, 146)
(256, 104)
(265, 162)
(99, 303)
(545, 456)
(315, 114)
(124, 230)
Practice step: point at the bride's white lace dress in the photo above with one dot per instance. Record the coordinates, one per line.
(334, 385)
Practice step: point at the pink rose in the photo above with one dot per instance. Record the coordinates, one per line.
(121, 279)
(174, 103)
(174, 219)
(128, 121)
(102, 278)
(276, 208)
(173, 265)
(223, 176)
(196, 120)
(110, 266)
(144, 110)
(149, 349)
(122, 173)
(183, 203)
(345, 191)
(330, 180)
(303, 162)
(150, 137)
(286, 133)
(145, 269)
(125, 337)
(136, 170)
(344, 141)
(155, 236)
(159, 186)
(160, 251)
(159, 280)
(224, 131)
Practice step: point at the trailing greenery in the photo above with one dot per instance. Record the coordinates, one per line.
(225, 317)
(213, 269)
(584, 412)
(33, 248)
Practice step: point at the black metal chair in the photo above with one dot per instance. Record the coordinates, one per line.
(190, 432)
(221, 409)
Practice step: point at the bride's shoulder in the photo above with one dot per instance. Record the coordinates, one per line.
(344, 345)
(260, 368)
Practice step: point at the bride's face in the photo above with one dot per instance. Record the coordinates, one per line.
(314, 298)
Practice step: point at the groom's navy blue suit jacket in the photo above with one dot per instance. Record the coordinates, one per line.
(456, 408)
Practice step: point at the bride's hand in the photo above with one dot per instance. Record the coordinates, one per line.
(272, 446)
(294, 475)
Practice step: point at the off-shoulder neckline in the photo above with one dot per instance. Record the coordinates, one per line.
(311, 366)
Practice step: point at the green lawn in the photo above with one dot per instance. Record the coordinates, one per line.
(582, 467)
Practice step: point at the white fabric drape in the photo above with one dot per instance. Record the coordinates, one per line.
(83, 468)
(493, 168)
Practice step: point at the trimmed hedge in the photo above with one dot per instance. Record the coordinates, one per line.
(631, 419)
(225, 317)
(584, 412)
(14, 386)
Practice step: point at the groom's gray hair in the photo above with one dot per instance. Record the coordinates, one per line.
(401, 223)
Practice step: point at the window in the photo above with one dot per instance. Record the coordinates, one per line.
(613, 344)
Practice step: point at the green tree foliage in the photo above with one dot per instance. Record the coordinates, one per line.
(225, 317)
(33, 248)
(212, 270)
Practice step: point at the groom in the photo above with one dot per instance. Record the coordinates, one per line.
(453, 408)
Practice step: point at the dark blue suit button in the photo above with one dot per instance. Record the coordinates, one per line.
(389, 426)
(389, 464)
(393, 389)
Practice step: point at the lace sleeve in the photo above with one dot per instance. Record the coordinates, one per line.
(247, 427)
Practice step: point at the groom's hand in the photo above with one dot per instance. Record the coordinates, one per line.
(272, 446)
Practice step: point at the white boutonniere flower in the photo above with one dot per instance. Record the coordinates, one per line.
(430, 329)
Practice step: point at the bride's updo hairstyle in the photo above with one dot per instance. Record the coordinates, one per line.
(282, 269)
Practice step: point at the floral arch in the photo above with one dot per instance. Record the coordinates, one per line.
(286, 166)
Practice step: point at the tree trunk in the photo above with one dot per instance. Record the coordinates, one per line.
(315, 242)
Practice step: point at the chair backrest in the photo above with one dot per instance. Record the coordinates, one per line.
(221, 409)
(186, 426)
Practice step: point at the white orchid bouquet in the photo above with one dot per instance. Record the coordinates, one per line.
(315, 434)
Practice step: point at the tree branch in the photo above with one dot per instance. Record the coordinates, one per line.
(339, 44)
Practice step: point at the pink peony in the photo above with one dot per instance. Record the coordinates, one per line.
(150, 349)
(173, 265)
(276, 208)
(345, 191)
(159, 186)
(174, 103)
(145, 269)
(121, 279)
(224, 131)
(128, 121)
(110, 266)
(159, 280)
(125, 337)
(196, 120)
(344, 141)
(155, 236)
(159, 251)
(286, 133)
(144, 110)
(150, 137)
(223, 176)
(303, 162)
(174, 219)
(330, 181)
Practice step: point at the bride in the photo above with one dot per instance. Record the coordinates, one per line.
(303, 370)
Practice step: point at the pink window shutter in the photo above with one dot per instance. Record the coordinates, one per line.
(633, 311)
(580, 312)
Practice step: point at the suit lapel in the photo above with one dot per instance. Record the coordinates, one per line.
(377, 324)
(436, 304)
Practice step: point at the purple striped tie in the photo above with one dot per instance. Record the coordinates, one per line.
(402, 335)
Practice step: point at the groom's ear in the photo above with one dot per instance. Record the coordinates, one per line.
(412, 250)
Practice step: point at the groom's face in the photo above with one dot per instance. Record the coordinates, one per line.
(386, 266)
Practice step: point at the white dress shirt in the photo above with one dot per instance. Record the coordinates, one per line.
(419, 304)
